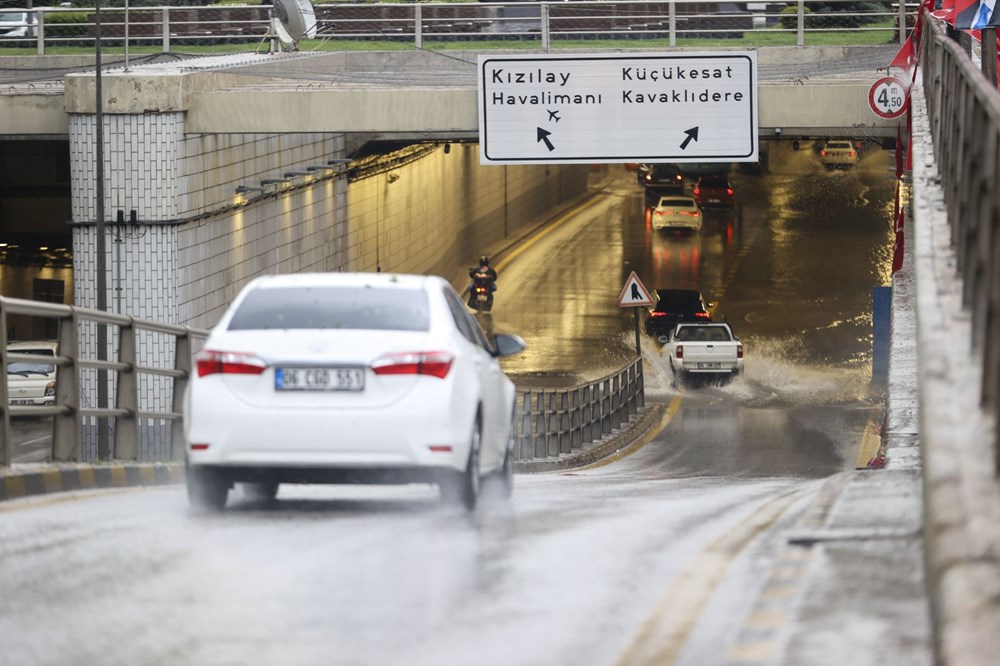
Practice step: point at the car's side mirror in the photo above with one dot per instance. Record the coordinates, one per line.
(664, 339)
(505, 344)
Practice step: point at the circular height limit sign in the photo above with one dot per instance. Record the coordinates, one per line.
(888, 97)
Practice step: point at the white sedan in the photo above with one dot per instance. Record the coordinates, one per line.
(349, 378)
(676, 212)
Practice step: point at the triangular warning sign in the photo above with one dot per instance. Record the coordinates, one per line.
(634, 294)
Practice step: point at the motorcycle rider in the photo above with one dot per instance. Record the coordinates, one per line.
(483, 275)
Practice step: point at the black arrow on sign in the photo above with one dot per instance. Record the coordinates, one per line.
(691, 134)
(543, 135)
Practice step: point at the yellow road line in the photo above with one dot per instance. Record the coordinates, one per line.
(664, 633)
(23, 504)
(672, 408)
(536, 236)
(871, 441)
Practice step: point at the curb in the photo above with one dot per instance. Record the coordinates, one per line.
(15, 484)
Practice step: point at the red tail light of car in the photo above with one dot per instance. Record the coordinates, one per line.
(435, 364)
(697, 191)
(739, 350)
(212, 362)
(850, 153)
(823, 153)
(654, 313)
(730, 191)
(679, 352)
(702, 315)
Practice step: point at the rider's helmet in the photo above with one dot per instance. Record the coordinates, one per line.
(484, 260)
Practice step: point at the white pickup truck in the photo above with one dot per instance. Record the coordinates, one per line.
(708, 349)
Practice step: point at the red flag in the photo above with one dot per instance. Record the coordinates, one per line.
(906, 57)
(897, 252)
(898, 245)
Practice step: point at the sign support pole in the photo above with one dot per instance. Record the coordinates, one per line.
(638, 349)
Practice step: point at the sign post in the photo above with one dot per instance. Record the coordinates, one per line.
(612, 108)
(634, 295)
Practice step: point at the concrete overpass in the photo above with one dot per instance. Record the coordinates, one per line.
(408, 95)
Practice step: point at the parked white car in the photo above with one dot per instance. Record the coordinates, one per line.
(18, 24)
(32, 382)
(349, 378)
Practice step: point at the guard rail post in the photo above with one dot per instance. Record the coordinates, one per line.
(166, 29)
(672, 16)
(40, 32)
(587, 436)
(127, 397)
(66, 424)
(576, 420)
(546, 36)
(800, 22)
(418, 26)
(538, 428)
(616, 398)
(606, 404)
(183, 354)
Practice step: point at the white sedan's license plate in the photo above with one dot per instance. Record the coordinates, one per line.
(709, 366)
(319, 379)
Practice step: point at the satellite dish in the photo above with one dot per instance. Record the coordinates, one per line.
(293, 20)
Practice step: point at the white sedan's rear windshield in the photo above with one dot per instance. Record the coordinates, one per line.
(350, 308)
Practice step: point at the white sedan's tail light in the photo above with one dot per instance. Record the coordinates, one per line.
(435, 364)
(210, 362)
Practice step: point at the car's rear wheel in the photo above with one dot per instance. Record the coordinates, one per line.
(207, 489)
(464, 487)
(507, 471)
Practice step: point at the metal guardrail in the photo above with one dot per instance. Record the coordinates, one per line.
(432, 25)
(964, 113)
(551, 422)
(67, 412)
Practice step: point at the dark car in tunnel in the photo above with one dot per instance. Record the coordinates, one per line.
(674, 306)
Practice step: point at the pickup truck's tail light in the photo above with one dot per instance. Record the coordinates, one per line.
(739, 350)
(211, 362)
(679, 351)
(436, 364)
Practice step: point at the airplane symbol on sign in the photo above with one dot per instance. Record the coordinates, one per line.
(554, 115)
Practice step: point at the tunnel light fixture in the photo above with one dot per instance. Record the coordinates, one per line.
(313, 168)
(294, 174)
(243, 189)
(273, 181)
(338, 161)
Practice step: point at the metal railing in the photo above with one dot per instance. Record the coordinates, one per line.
(549, 422)
(552, 422)
(964, 113)
(541, 25)
(68, 415)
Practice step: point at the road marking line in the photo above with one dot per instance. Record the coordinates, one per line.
(23, 504)
(767, 619)
(871, 441)
(667, 629)
(672, 408)
(548, 228)
(753, 652)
